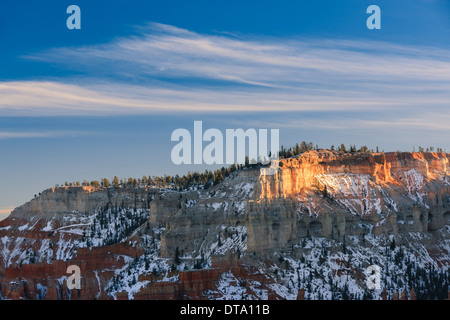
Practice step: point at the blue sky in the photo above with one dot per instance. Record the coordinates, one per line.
(104, 100)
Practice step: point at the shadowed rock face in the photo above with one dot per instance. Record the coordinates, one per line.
(246, 220)
(68, 200)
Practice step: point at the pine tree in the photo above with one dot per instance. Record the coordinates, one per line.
(115, 182)
(392, 247)
(105, 182)
(177, 256)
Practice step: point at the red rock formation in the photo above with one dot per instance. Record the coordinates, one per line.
(404, 295)
(194, 283)
(301, 294)
(413, 294)
(299, 173)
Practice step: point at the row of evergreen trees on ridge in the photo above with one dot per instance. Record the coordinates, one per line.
(209, 178)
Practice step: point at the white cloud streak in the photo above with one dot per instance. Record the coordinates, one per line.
(270, 62)
(236, 75)
(175, 52)
(34, 98)
(39, 134)
(437, 122)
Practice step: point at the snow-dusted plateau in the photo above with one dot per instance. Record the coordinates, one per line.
(308, 232)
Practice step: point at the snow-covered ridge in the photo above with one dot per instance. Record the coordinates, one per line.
(356, 192)
(321, 239)
(66, 235)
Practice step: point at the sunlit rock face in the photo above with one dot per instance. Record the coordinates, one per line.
(333, 194)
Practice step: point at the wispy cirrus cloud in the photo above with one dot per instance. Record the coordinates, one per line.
(39, 134)
(44, 98)
(437, 122)
(163, 69)
(162, 50)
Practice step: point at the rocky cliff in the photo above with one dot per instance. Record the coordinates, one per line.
(315, 226)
